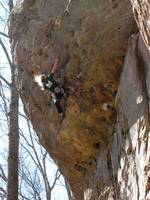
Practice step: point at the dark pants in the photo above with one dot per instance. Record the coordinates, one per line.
(59, 96)
(58, 106)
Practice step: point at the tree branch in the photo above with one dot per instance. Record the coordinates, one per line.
(3, 20)
(4, 34)
(57, 176)
(5, 80)
(3, 97)
(4, 7)
(2, 175)
(2, 190)
(6, 52)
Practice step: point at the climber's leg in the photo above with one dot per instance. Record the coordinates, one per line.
(58, 106)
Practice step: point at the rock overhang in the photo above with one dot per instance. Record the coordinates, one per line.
(94, 35)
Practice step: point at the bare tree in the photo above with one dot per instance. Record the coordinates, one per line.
(12, 187)
(12, 184)
(41, 159)
(4, 179)
(35, 183)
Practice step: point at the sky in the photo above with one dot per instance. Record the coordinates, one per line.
(59, 192)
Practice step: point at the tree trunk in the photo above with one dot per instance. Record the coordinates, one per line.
(12, 187)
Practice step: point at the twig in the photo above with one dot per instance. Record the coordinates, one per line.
(4, 192)
(57, 176)
(5, 80)
(4, 34)
(4, 7)
(3, 20)
(6, 53)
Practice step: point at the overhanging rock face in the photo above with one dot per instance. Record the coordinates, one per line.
(94, 36)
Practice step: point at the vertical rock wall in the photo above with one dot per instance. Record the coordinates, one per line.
(132, 136)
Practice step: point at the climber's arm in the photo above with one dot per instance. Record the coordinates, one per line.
(56, 65)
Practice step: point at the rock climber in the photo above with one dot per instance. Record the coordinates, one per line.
(57, 92)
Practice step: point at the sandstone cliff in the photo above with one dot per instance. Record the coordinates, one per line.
(102, 145)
